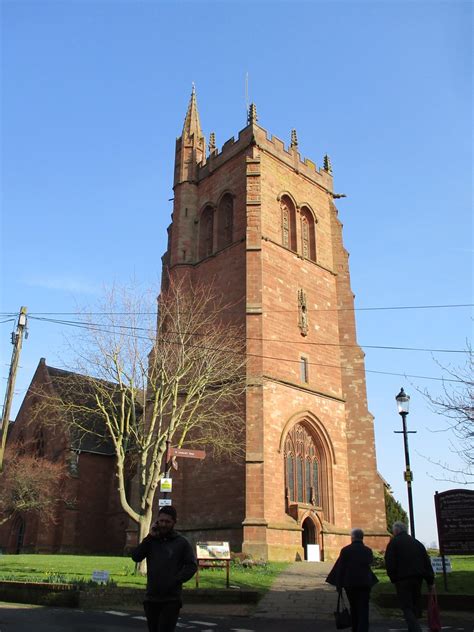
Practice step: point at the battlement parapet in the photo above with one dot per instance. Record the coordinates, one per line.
(254, 134)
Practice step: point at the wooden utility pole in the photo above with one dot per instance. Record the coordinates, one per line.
(17, 340)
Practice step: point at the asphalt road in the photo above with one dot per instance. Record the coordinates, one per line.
(19, 618)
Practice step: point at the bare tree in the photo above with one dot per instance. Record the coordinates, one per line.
(149, 378)
(30, 485)
(456, 405)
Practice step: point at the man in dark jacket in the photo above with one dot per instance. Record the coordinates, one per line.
(353, 573)
(170, 562)
(407, 565)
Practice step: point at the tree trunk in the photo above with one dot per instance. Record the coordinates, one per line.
(143, 531)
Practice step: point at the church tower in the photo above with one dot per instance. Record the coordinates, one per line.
(260, 223)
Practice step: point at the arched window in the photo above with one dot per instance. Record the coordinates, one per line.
(39, 443)
(225, 221)
(301, 467)
(308, 234)
(206, 233)
(288, 223)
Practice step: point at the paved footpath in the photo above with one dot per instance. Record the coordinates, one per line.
(300, 592)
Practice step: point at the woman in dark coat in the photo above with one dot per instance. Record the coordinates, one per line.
(353, 573)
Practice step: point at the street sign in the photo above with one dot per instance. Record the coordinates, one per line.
(101, 577)
(164, 502)
(187, 454)
(437, 564)
(166, 485)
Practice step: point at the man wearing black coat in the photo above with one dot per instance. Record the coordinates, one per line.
(408, 564)
(170, 562)
(353, 573)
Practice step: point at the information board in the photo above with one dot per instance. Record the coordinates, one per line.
(213, 551)
(455, 518)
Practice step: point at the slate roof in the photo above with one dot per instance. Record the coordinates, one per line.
(77, 391)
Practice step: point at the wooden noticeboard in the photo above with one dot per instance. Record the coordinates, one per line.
(213, 555)
(455, 519)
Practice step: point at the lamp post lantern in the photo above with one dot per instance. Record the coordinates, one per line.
(403, 404)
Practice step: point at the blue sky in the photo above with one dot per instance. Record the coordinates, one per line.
(95, 93)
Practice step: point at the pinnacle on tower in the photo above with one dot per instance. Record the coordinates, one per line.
(212, 142)
(192, 124)
(294, 139)
(252, 114)
(327, 164)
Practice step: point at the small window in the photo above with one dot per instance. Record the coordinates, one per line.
(73, 463)
(304, 369)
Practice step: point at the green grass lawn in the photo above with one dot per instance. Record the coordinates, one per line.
(460, 580)
(70, 568)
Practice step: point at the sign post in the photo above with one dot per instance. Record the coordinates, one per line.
(166, 483)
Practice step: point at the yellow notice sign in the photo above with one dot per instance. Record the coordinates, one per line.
(166, 485)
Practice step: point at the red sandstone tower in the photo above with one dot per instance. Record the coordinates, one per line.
(260, 223)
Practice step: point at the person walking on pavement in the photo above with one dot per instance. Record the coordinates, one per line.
(170, 562)
(353, 573)
(408, 564)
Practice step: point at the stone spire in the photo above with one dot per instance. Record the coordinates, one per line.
(252, 114)
(190, 146)
(192, 124)
(327, 164)
(294, 139)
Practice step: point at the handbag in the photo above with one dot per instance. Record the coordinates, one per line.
(342, 615)
(434, 619)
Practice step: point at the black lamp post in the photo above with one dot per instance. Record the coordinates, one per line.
(403, 402)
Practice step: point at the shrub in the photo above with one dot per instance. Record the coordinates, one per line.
(379, 560)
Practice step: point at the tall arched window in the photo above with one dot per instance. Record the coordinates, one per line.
(288, 223)
(308, 234)
(301, 467)
(39, 443)
(206, 233)
(225, 220)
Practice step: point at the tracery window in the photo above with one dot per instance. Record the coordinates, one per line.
(301, 467)
(308, 234)
(288, 223)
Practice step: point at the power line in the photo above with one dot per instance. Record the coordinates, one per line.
(276, 311)
(100, 328)
(264, 357)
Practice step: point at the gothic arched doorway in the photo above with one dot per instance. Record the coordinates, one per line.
(308, 535)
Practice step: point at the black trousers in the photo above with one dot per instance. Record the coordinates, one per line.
(162, 616)
(359, 603)
(409, 597)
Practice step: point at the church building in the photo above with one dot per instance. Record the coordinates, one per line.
(260, 223)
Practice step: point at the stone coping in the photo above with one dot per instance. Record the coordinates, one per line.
(69, 595)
